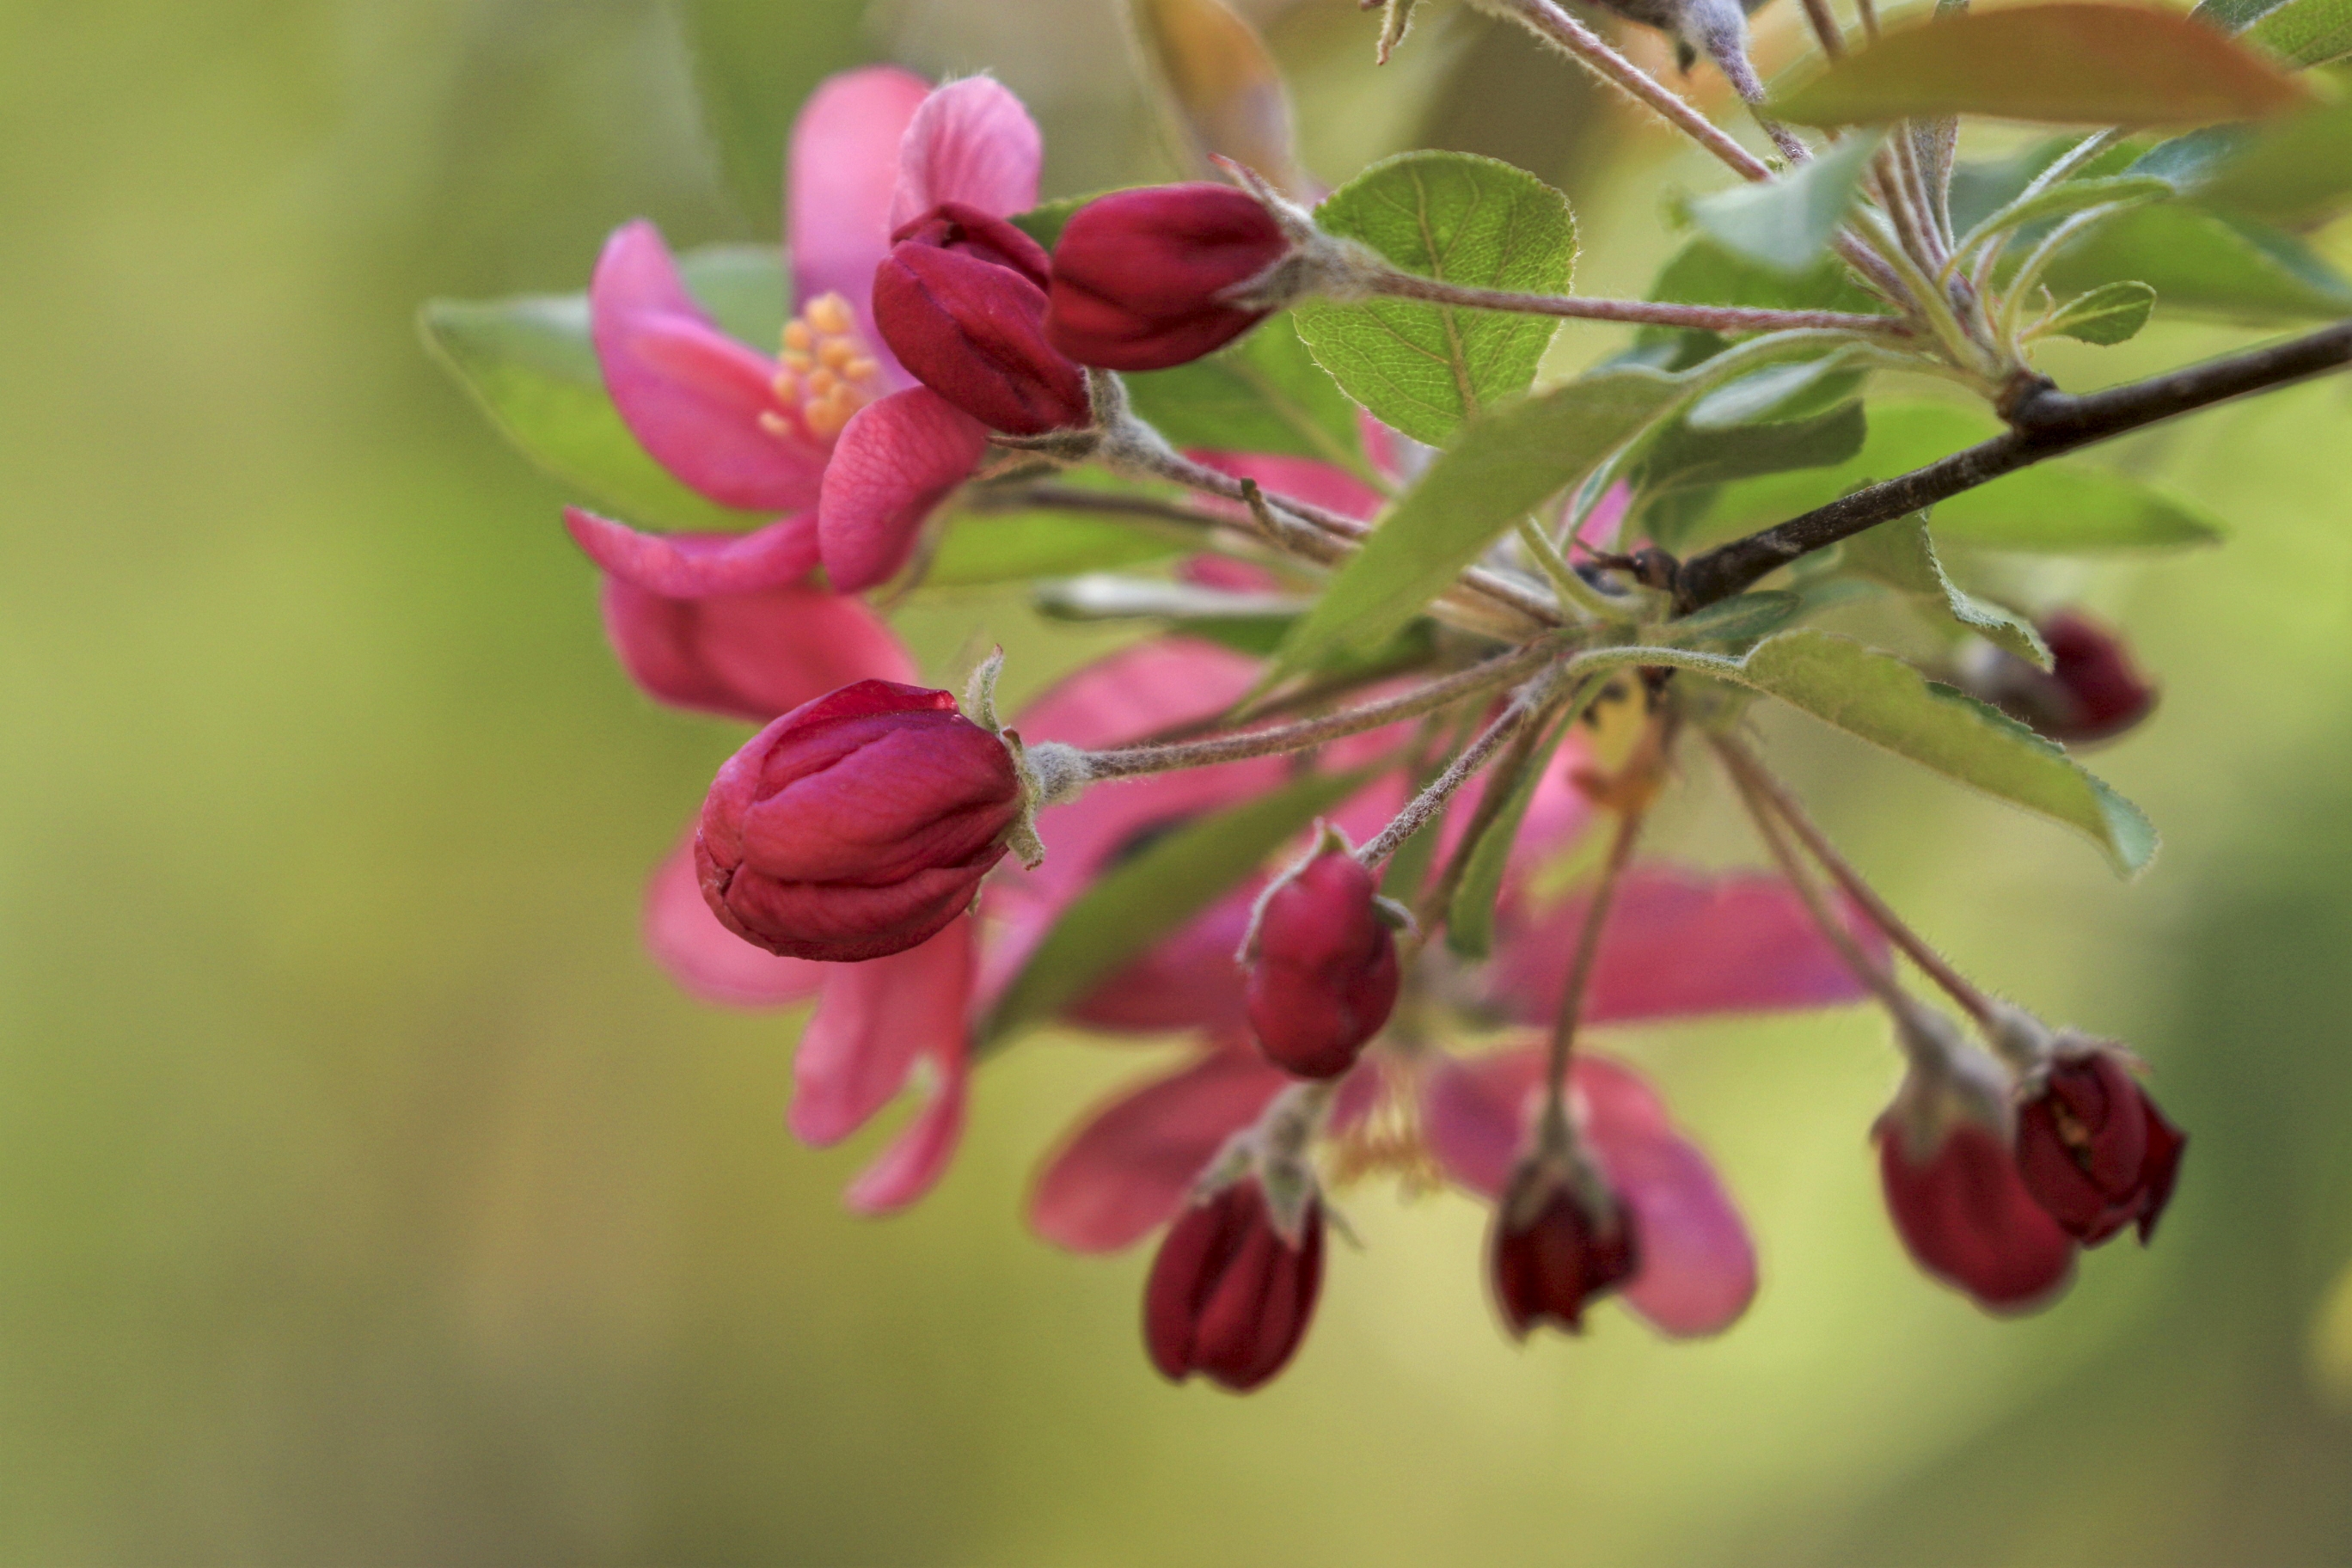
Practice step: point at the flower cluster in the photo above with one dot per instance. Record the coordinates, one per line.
(1398, 977)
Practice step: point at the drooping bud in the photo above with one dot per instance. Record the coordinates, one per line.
(1952, 1187)
(2092, 1146)
(1144, 279)
(1230, 1295)
(1322, 964)
(1560, 1239)
(960, 299)
(855, 826)
(2090, 692)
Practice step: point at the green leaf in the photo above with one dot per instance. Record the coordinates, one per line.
(1900, 555)
(1045, 222)
(2305, 32)
(2064, 199)
(1427, 368)
(1884, 701)
(1140, 901)
(1265, 394)
(743, 288)
(1786, 223)
(529, 363)
(2297, 172)
(2060, 507)
(2111, 313)
(1685, 458)
(2069, 62)
(1502, 467)
(983, 547)
(1738, 620)
(1470, 918)
(1799, 389)
(2233, 16)
(2205, 263)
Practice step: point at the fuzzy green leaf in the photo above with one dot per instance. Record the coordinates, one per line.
(1786, 223)
(2110, 314)
(1470, 918)
(2205, 263)
(1899, 555)
(1266, 393)
(1141, 899)
(1427, 368)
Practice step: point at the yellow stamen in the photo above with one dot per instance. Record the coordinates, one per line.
(798, 337)
(829, 313)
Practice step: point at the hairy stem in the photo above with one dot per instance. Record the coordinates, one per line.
(1425, 805)
(1130, 762)
(2045, 423)
(1570, 1016)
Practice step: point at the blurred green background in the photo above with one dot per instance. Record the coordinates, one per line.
(365, 1197)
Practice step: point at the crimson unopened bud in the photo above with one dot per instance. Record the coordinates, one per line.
(1144, 279)
(2092, 1146)
(960, 299)
(1560, 1239)
(855, 826)
(1322, 964)
(1230, 1296)
(2090, 692)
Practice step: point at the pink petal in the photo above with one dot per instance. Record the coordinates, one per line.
(1186, 980)
(1302, 479)
(691, 394)
(872, 1023)
(1599, 528)
(705, 958)
(1697, 1269)
(896, 460)
(1138, 690)
(697, 565)
(749, 656)
(1130, 1164)
(843, 168)
(971, 141)
(918, 1156)
(1680, 944)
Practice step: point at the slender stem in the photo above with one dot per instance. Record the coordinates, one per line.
(1588, 952)
(1756, 778)
(1902, 209)
(1825, 28)
(1568, 583)
(1929, 300)
(1131, 760)
(1915, 192)
(1704, 318)
(1869, 13)
(1549, 22)
(2045, 423)
(1866, 969)
(1439, 897)
(1472, 757)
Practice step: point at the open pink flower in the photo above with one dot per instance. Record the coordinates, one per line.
(829, 431)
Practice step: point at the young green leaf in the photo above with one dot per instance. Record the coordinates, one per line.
(1737, 621)
(1502, 469)
(1799, 389)
(1900, 555)
(1428, 369)
(2072, 62)
(1137, 902)
(1786, 223)
(1883, 700)
(2066, 198)
(2297, 172)
(1265, 394)
(2111, 313)
(1470, 918)
(1684, 457)
(2305, 32)
(2205, 263)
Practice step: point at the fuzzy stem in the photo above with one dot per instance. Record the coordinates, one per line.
(1754, 776)
(1825, 28)
(1651, 312)
(1132, 760)
(1425, 805)
(1581, 963)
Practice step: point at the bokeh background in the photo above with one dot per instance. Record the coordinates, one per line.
(365, 1197)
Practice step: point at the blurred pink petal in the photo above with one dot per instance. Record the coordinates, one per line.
(896, 460)
(749, 656)
(705, 958)
(1302, 479)
(1225, 573)
(918, 1156)
(1130, 1166)
(971, 141)
(1697, 1270)
(1600, 524)
(1187, 981)
(872, 1023)
(1680, 944)
(843, 168)
(697, 565)
(691, 394)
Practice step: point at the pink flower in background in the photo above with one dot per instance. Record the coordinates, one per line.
(829, 430)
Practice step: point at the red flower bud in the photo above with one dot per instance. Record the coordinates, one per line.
(960, 299)
(1140, 277)
(1557, 1243)
(1229, 1297)
(855, 826)
(2094, 1149)
(1322, 967)
(2090, 692)
(1968, 1220)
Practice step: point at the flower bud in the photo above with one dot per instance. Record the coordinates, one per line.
(960, 299)
(1560, 1239)
(1142, 278)
(855, 826)
(2090, 692)
(1953, 1189)
(2093, 1148)
(1230, 1296)
(1322, 965)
